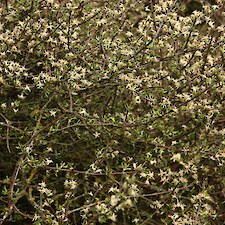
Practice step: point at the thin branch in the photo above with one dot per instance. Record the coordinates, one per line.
(148, 42)
(92, 173)
(8, 125)
(71, 100)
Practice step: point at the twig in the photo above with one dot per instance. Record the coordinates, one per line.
(148, 42)
(8, 125)
(12, 184)
(92, 173)
(71, 100)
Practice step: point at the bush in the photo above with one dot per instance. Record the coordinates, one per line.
(112, 112)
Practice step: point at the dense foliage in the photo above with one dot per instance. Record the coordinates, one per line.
(112, 112)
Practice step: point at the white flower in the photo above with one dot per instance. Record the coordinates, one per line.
(28, 149)
(136, 220)
(83, 111)
(42, 188)
(27, 88)
(96, 134)
(137, 100)
(176, 157)
(133, 190)
(49, 149)
(70, 184)
(52, 112)
(50, 1)
(128, 203)
(114, 200)
(3, 105)
(112, 217)
(113, 189)
(21, 96)
(100, 22)
(129, 34)
(35, 217)
(15, 110)
(48, 161)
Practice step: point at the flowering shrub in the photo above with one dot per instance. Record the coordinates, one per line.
(112, 112)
